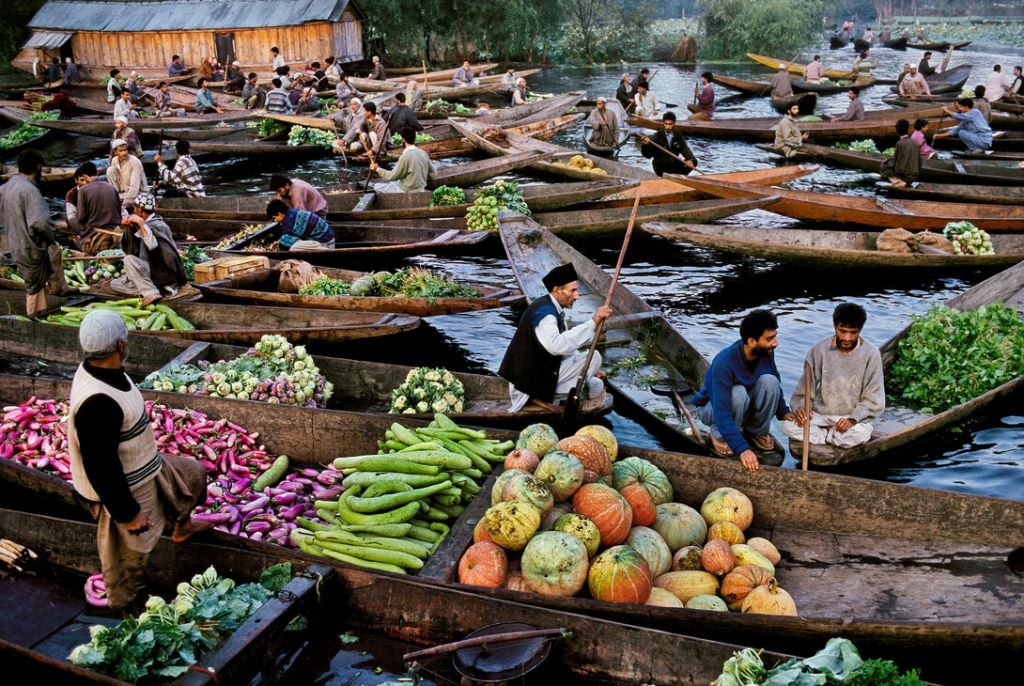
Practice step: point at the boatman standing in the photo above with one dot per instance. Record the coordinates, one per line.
(132, 490)
(543, 360)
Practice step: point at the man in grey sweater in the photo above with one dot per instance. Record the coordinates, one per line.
(848, 390)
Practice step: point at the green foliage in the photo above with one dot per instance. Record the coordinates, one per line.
(302, 135)
(271, 127)
(409, 282)
(949, 357)
(447, 195)
(772, 27)
(396, 138)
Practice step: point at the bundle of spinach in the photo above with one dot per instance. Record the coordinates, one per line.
(192, 256)
(160, 644)
(447, 195)
(949, 357)
(271, 127)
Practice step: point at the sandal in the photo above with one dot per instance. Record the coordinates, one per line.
(721, 448)
(765, 443)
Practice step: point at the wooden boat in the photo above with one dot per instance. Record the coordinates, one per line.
(1001, 140)
(12, 151)
(949, 171)
(371, 85)
(889, 549)
(1009, 107)
(835, 42)
(356, 206)
(860, 45)
(1007, 121)
(806, 101)
(49, 174)
(359, 386)
(899, 43)
(622, 136)
(101, 125)
(261, 287)
(829, 249)
(441, 74)
(796, 68)
(939, 46)
(351, 600)
(232, 323)
(44, 614)
(899, 427)
(992, 195)
(879, 125)
(857, 210)
(747, 86)
(802, 86)
(257, 149)
(949, 81)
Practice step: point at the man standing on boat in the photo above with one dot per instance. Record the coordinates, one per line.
(115, 465)
(905, 165)
(29, 234)
(782, 87)
(299, 194)
(973, 130)
(742, 392)
(543, 361)
(788, 137)
(855, 110)
(604, 125)
(924, 67)
(681, 159)
(413, 171)
(848, 390)
(152, 266)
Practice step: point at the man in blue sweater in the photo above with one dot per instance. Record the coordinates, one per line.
(742, 392)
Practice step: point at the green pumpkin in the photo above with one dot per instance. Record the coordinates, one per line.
(635, 470)
(562, 472)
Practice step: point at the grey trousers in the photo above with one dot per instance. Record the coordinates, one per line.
(752, 410)
(136, 279)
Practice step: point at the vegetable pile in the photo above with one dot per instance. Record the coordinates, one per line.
(567, 514)
(303, 135)
(428, 389)
(866, 145)
(392, 513)
(408, 282)
(155, 317)
(582, 163)
(442, 108)
(81, 274)
(968, 239)
(837, 663)
(161, 643)
(26, 132)
(192, 256)
(245, 232)
(273, 371)
(482, 215)
(396, 138)
(949, 357)
(447, 195)
(271, 127)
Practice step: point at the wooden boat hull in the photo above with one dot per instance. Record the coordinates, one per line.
(259, 149)
(899, 427)
(897, 43)
(758, 88)
(940, 46)
(951, 192)
(894, 581)
(261, 287)
(835, 42)
(949, 81)
(829, 249)
(801, 86)
(806, 101)
(847, 210)
(860, 45)
(101, 126)
(795, 68)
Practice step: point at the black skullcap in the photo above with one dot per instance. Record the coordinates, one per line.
(559, 276)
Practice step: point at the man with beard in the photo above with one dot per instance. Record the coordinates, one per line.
(847, 386)
(742, 392)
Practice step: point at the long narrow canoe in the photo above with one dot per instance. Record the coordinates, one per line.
(853, 210)
(359, 386)
(940, 46)
(837, 42)
(795, 68)
(44, 615)
(830, 249)
(372, 85)
(899, 426)
(101, 125)
(801, 86)
(878, 125)
(807, 101)
(351, 206)
(233, 323)
(388, 611)
(948, 171)
(261, 287)
(872, 561)
(278, 150)
(951, 192)
(48, 175)
(1001, 140)
(417, 74)
(897, 43)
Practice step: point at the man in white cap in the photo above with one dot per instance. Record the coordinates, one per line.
(71, 73)
(604, 125)
(152, 266)
(519, 94)
(782, 87)
(624, 94)
(236, 77)
(125, 173)
(127, 134)
(132, 490)
(543, 361)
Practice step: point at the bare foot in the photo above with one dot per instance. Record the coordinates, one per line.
(182, 530)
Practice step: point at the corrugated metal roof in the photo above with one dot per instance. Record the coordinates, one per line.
(185, 15)
(48, 40)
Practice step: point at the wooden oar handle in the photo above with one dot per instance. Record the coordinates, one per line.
(447, 648)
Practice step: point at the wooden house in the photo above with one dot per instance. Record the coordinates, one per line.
(144, 34)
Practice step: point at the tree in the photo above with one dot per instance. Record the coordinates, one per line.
(772, 27)
(586, 17)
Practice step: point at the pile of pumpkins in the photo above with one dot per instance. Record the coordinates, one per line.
(579, 517)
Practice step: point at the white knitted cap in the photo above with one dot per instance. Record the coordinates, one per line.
(117, 143)
(101, 330)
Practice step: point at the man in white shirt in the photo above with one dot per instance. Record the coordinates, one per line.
(543, 361)
(646, 102)
(278, 58)
(996, 84)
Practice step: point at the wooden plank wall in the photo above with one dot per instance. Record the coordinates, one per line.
(153, 49)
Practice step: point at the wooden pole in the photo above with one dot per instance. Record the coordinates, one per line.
(447, 648)
(807, 410)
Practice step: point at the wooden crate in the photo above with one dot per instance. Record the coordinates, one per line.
(227, 267)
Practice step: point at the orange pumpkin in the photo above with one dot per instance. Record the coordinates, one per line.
(516, 582)
(717, 557)
(769, 600)
(737, 584)
(640, 502)
(591, 453)
(620, 575)
(607, 509)
(726, 531)
(480, 532)
(521, 458)
(483, 564)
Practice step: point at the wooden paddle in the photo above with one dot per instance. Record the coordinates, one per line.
(572, 404)
(807, 409)
(666, 151)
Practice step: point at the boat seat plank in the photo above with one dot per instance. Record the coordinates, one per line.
(444, 563)
(870, 577)
(60, 644)
(32, 608)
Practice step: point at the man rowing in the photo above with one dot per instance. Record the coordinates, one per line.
(543, 361)
(604, 124)
(670, 153)
(973, 130)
